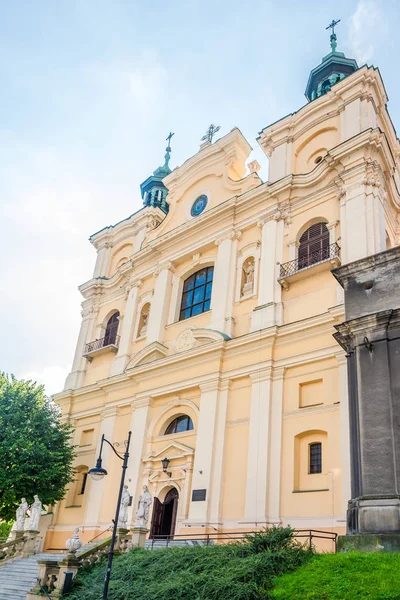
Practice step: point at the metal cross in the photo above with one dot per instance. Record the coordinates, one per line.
(169, 138)
(333, 25)
(211, 131)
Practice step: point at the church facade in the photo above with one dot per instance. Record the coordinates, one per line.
(207, 325)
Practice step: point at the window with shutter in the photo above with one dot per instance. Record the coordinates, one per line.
(313, 246)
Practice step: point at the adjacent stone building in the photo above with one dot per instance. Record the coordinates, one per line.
(207, 324)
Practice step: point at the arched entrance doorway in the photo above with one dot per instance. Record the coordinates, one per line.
(164, 515)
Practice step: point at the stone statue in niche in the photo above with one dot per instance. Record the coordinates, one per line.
(36, 511)
(123, 508)
(144, 317)
(248, 276)
(20, 515)
(142, 513)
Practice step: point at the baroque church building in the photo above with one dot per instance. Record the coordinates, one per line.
(207, 324)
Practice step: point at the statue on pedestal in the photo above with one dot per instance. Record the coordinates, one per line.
(123, 508)
(20, 515)
(142, 513)
(35, 512)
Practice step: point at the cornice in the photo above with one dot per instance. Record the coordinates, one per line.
(148, 217)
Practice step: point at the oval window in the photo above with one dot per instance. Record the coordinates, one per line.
(199, 205)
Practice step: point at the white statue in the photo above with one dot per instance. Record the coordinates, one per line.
(143, 329)
(248, 270)
(35, 512)
(74, 543)
(123, 508)
(142, 513)
(20, 515)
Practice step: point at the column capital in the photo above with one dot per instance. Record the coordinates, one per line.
(167, 265)
(210, 386)
(230, 235)
(109, 411)
(141, 402)
(261, 375)
(278, 373)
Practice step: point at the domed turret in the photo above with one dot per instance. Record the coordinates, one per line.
(154, 192)
(333, 68)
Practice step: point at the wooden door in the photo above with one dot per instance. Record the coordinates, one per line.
(156, 521)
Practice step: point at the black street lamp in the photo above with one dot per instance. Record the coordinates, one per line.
(97, 473)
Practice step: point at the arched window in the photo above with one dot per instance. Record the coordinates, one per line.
(180, 424)
(111, 329)
(315, 458)
(196, 297)
(313, 245)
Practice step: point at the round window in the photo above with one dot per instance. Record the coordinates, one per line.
(198, 206)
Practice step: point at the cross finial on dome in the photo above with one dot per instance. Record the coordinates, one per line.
(333, 34)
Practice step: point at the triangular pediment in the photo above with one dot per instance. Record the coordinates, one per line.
(172, 450)
(150, 353)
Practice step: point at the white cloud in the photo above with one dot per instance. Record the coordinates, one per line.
(366, 26)
(53, 378)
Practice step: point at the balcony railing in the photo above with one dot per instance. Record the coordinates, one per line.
(108, 342)
(294, 266)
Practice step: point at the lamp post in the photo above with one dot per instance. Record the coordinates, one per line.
(97, 473)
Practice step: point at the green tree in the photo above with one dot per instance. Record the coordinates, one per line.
(36, 454)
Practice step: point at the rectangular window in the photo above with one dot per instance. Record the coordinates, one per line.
(84, 480)
(315, 451)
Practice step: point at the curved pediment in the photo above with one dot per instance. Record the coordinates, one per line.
(191, 337)
(150, 353)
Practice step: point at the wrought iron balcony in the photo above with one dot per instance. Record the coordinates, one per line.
(100, 346)
(289, 269)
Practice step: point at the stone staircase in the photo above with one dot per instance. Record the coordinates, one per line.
(18, 576)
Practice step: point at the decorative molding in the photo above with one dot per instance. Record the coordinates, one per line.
(231, 235)
(162, 267)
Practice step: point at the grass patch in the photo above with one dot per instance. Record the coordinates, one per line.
(347, 576)
(244, 571)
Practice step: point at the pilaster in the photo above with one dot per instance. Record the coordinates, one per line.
(98, 489)
(139, 427)
(75, 377)
(344, 431)
(102, 260)
(121, 360)
(258, 448)
(160, 303)
(205, 447)
(217, 484)
(269, 309)
(224, 283)
(275, 446)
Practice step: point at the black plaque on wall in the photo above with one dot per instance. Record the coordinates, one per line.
(198, 495)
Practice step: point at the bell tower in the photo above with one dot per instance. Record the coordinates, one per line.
(333, 68)
(154, 192)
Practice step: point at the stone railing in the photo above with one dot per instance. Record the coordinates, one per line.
(12, 549)
(54, 575)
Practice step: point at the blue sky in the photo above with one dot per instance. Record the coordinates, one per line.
(89, 91)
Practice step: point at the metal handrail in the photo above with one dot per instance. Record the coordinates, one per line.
(310, 534)
(298, 264)
(42, 588)
(99, 534)
(101, 343)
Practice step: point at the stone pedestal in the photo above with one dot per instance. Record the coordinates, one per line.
(369, 542)
(30, 546)
(139, 535)
(123, 539)
(370, 336)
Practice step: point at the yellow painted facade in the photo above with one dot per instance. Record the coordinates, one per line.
(258, 373)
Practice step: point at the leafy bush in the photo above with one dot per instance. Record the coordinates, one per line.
(350, 576)
(5, 528)
(237, 571)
